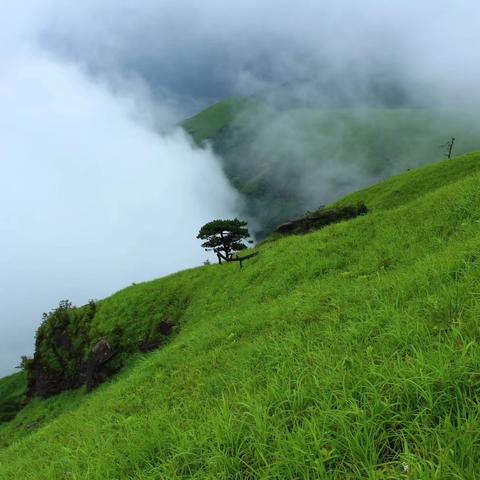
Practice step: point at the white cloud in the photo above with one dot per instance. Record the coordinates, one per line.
(91, 199)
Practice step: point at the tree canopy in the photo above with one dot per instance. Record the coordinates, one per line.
(224, 237)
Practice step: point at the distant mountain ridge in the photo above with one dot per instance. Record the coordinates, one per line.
(289, 160)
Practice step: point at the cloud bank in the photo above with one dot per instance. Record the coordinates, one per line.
(335, 55)
(92, 197)
(354, 51)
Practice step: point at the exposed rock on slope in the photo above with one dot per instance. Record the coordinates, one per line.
(321, 218)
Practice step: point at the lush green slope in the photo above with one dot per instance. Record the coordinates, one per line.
(289, 161)
(12, 395)
(400, 189)
(352, 352)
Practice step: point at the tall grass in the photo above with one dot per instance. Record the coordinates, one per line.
(348, 353)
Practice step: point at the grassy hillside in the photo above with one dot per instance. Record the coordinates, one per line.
(12, 395)
(352, 352)
(292, 160)
(408, 186)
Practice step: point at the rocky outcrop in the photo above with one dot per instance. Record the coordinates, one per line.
(155, 339)
(321, 218)
(46, 380)
(99, 357)
(65, 359)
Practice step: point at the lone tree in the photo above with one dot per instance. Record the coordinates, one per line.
(224, 237)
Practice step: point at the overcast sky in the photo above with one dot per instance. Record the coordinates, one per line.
(93, 198)
(198, 52)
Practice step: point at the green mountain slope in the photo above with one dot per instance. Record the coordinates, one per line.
(400, 189)
(12, 395)
(348, 353)
(289, 161)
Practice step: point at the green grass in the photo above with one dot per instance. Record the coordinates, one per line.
(12, 395)
(400, 189)
(352, 352)
(288, 161)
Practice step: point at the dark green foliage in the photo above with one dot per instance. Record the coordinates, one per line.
(25, 363)
(224, 237)
(61, 349)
